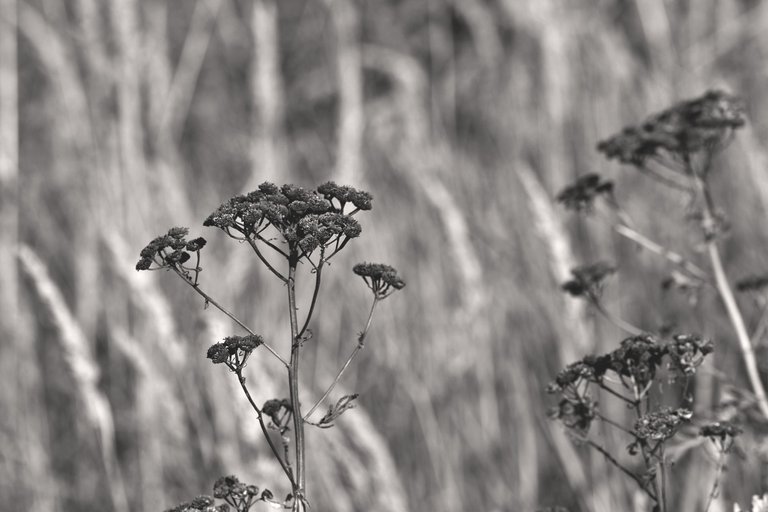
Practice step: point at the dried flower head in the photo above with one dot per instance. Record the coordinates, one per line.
(590, 369)
(576, 413)
(754, 283)
(720, 430)
(661, 425)
(588, 280)
(580, 196)
(306, 219)
(234, 350)
(686, 353)
(703, 123)
(381, 279)
(169, 251)
(638, 358)
(276, 409)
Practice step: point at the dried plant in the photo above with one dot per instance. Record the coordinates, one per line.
(676, 147)
(298, 226)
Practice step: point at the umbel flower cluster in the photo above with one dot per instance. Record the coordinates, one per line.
(580, 196)
(703, 123)
(634, 363)
(305, 218)
(169, 250)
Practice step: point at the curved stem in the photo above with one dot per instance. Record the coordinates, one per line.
(318, 276)
(617, 321)
(626, 471)
(264, 260)
(360, 345)
(259, 415)
(218, 306)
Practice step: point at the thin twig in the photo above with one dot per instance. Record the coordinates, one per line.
(210, 300)
(617, 321)
(616, 463)
(360, 345)
(315, 292)
(264, 260)
(260, 417)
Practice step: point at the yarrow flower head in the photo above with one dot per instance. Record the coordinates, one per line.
(754, 283)
(686, 353)
(659, 426)
(580, 196)
(381, 279)
(306, 219)
(171, 250)
(720, 430)
(703, 123)
(588, 280)
(234, 350)
(576, 413)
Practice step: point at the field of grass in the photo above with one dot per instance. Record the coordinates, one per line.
(464, 119)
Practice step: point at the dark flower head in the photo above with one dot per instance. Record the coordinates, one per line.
(638, 358)
(234, 350)
(588, 280)
(580, 196)
(196, 244)
(306, 219)
(685, 128)
(224, 486)
(575, 413)
(661, 425)
(168, 250)
(274, 407)
(755, 283)
(201, 502)
(591, 368)
(687, 351)
(720, 430)
(381, 279)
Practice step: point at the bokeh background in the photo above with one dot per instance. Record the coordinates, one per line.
(464, 118)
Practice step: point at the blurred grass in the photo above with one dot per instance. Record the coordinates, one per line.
(462, 118)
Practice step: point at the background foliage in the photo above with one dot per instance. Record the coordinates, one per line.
(464, 119)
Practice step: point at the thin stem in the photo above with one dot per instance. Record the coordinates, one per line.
(360, 345)
(617, 321)
(260, 417)
(675, 258)
(209, 300)
(612, 423)
(271, 245)
(663, 477)
(716, 483)
(293, 379)
(264, 260)
(731, 306)
(318, 277)
(616, 394)
(626, 471)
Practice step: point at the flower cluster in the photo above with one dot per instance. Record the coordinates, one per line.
(720, 431)
(661, 425)
(381, 279)
(637, 358)
(306, 219)
(238, 494)
(686, 352)
(234, 350)
(277, 409)
(755, 283)
(576, 412)
(199, 504)
(169, 250)
(686, 128)
(588, 280)
(580, 196)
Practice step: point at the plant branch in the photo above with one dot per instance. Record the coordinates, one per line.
(260, 417)
(315, 292)
(264, 260)
(731, 306)
(293, 379)
(626, 471)
(210, 300)
(360, 345)
(617, 321)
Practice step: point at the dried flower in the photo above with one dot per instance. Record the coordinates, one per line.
(381, 279)
(169, 250)
(575, 413)
(588, 280)
(687, 351)
(638, 358)
(234, 350)
(720, 431)
(660, 425)
(580, 196)
(685, 128)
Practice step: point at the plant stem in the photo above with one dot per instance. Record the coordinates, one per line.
(617, 321)
(734, 313)
(645, 242)
(616, 463)
(283, 463)
(293, 381)
(318, 277)
(663, 478)
(221, 308)
(360, 345)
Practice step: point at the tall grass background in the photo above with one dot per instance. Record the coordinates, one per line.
(464, 118)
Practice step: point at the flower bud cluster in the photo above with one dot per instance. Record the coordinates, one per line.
(381, 279)
(580, 196)
(169, 250)
(234, 350)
